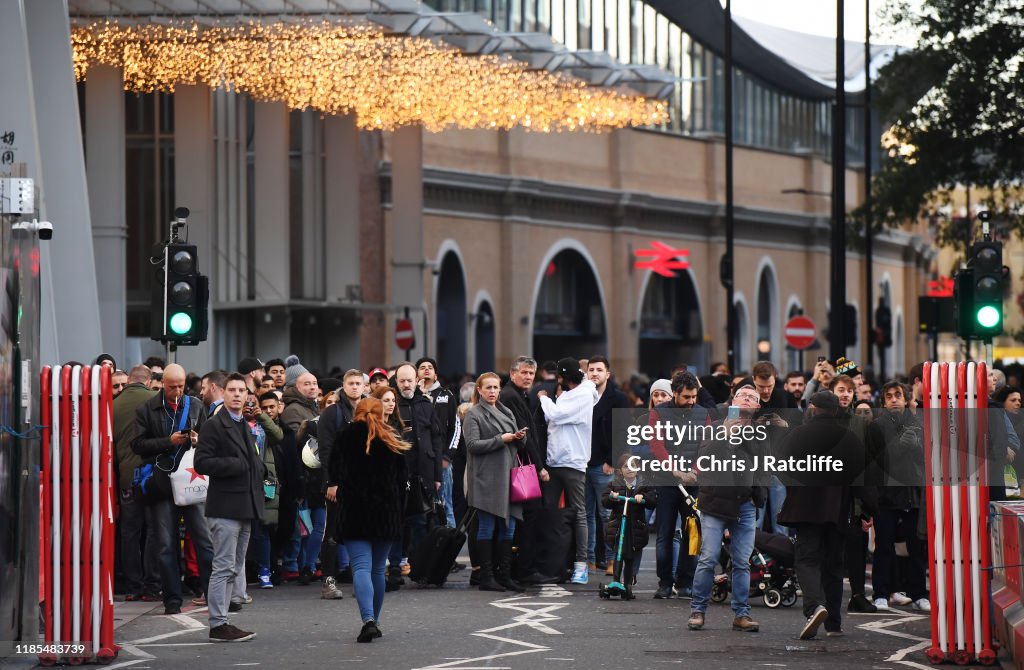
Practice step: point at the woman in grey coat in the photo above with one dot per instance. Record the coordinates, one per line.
(492, 440)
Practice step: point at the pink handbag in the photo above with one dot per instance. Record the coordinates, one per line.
(524, 484)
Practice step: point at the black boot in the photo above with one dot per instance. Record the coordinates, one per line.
(503, 568)
(484, 552)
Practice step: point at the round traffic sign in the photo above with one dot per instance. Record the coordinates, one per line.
(405, 337)
(800, 332)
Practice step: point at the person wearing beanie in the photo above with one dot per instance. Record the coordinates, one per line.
(292, 373)
(252, 370)
(818, 506)
(291, 360)
(299, 397)
(661, 392)
(444, 404)
(570, 422)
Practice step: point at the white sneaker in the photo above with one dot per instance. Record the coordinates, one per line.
(922, 605)
(579, 573)
(881, 604)
(899, 599)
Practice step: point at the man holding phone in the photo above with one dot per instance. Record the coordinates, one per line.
(166, 426)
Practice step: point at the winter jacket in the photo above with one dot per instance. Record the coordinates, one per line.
(675, 415)
(637, 530)
(417, 413)
(154, 425)
(570, 423)
(444, 403)
(825, 497)
(490, 459)
(332, 421)
(371, 486)
(234, 467)
(902, 460)
(722, 493)
(518, 402)
(297, 408)
(125, 407)
(601, 432)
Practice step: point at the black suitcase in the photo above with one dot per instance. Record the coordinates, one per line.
(431, 560)
(556, 548)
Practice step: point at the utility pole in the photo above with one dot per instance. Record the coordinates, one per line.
(837, 325)
(728, 271)
(869, 269)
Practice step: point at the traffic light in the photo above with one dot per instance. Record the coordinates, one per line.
(883, 326)
(979, 290)
(180, 297)
(987, 267)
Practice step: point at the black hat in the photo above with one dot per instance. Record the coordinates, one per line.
(328, 384)
(105, 357)
(824, 400)
(247, 365)
(569, 369)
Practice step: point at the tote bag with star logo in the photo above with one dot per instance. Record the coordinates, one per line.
(188, 486)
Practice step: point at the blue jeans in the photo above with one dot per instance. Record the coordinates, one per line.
(261, 544)
(741, 545)
(597, 484)
(446, 494)
(670, 508)
(776, 496)
(489, 525)
(311, 551)
(368, 557)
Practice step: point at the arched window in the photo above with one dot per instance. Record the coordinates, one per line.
(451, 317)
(568, 316)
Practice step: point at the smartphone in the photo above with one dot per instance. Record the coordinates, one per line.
(734, 412)
(525, 430)
(822, 359)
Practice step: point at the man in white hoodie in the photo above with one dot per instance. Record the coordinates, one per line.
(569, 426)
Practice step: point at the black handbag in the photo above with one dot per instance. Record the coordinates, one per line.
(417, 500)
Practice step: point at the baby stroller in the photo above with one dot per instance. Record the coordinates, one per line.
(771, 571)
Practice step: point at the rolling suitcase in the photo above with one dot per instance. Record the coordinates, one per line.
(431, 560)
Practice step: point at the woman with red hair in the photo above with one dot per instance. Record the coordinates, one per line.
(369, 465)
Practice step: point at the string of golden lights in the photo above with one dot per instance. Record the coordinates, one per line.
(385, 81)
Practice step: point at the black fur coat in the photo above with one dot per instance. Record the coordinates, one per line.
(371, 487)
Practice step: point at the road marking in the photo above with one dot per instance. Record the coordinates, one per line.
(920, 643)
(532, 614)
(162, 636)
(125, 664)
(187, 621)
(176, 644)
(135, 651)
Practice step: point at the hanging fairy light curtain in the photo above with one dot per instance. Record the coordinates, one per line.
(385, 81)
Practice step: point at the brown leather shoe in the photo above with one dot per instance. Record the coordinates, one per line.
(696, 621)
(745, 624)
(610, 570)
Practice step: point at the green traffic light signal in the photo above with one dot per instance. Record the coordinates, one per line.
(180, 323)
(988, 317)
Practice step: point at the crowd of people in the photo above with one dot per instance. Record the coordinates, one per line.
(336, 479)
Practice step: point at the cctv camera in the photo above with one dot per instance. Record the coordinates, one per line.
(44, 228)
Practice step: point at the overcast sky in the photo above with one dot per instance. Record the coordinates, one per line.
(818, 17)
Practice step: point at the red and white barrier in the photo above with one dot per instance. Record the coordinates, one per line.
(956, 474)
(78, 486)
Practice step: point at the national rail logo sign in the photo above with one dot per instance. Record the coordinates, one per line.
(663, 259)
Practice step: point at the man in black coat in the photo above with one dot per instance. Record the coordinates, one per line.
(227, 453)
(818, 506)
(600, 470)
(417, 415)
(166, 426)
(516, 396)
(445, 405)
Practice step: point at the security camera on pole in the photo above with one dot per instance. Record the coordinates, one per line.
(179, 310)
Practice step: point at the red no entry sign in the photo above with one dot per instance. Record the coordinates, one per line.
(405, 337)
(800, 332)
